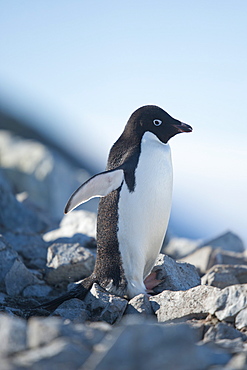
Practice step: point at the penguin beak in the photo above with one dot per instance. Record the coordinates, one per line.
(182, 127)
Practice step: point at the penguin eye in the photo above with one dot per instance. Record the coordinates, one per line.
(157, 122)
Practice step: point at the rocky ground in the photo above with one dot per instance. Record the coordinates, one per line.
(197, 318)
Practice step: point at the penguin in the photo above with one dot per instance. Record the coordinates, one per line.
(134, 209)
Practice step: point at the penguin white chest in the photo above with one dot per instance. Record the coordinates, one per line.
(144, 213)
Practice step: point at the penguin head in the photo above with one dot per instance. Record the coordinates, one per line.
(154, 119)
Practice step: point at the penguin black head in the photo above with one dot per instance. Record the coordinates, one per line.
(154, 119)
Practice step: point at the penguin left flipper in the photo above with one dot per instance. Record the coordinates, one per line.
(99, 185)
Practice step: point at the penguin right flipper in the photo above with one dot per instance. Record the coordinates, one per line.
(99, 185)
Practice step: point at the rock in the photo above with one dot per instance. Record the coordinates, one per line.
(178, 248)
(183, 305)
(199, 258)
(38, 290)
(72, 226)
(32, 248)
(223, 331)
(68, 262)
(148, 346)
(104, 306)
(14, 215)
(7, 259)
(227, 241)
(61, 353)
(139, 305)
(32, 167)
(12, 334)
(175, 275)
(74, 310)
(241, 319)
(18, 278)
(228, 302)
(237, 362)
(222, 276)
(42, 331)
(221, 257)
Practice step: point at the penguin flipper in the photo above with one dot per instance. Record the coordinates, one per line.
(99, 185)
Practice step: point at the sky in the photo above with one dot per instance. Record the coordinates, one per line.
(78, 69)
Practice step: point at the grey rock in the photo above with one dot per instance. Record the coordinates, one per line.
(222, 276)
(7, 259)
(73, 225)
(237, 362)
(43, 330)
(227, 241)
(148, 346)
(221, 257)
(61, 353)
(14, 215)
(104, 306)
(73, 310)
(18, 278)
(223, 331)
(200, 258)
(38, 290)
(228, 302)
(241, 319)
(139, 305)
(178, 248)
(68, 262)
(175, 275)
(183, 305)
(12, 334)
(32, 167)
(32, 248)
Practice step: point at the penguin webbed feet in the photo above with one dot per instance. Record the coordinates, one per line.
(151, 282)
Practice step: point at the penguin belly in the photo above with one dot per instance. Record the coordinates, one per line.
(144, 213)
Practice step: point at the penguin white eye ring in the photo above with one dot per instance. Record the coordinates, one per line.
(157, 122)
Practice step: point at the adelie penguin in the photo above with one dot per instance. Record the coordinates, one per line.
(136, 196)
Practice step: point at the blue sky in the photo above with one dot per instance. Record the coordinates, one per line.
(80, 68)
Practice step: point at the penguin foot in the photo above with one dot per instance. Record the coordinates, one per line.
(151, 282)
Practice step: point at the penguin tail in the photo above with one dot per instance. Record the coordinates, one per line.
(79, 292)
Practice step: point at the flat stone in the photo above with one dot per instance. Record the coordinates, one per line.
(223, 331)
(175, 275)
(68, 262)
(18, 278)
(139, 305)
(104, 306)
(43, 330)
(74, 310)
(184, 305)
(12, 334)
(221, 257)
(38, 290)
(222, 276)
(227, 241)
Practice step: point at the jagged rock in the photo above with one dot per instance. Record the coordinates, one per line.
(227, 241)
(147, 346)
(7, 259)
(178, 248)
(199, 258)
(12, 334)
(221, 257)
(222, 276)
(68, 262)
(104, 306)
(32, 248)
(241, 319)
(228, 302)
(139, 305)
(183, 305)
(14, 215)
(72, 226)
(74, 310)
(175, 275)
(18, 278)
